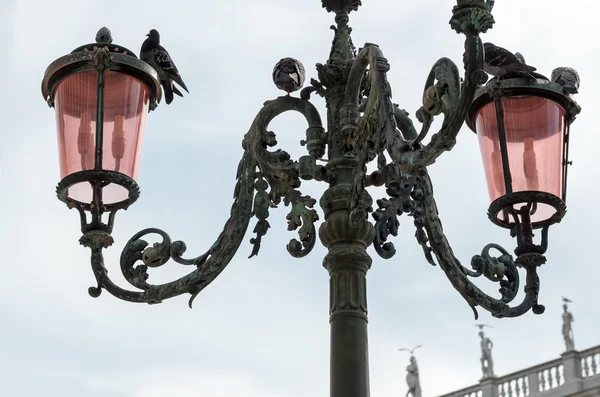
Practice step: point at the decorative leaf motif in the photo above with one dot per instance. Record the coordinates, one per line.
(261, 228)
(302, 215)
(386, 223)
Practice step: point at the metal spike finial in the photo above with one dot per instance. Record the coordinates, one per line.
(104, 35)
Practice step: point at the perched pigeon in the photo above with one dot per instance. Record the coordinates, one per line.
(156, 56)
(289, 75)
(500, 62)
(568, 78)
(566, 300)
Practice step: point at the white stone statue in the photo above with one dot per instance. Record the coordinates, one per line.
(487, 363)
(412, 376)
(567, 328)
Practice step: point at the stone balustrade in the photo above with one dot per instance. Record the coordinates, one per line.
(575, 373)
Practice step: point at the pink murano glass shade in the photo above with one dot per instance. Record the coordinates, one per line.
(535, 135)
(126, 102)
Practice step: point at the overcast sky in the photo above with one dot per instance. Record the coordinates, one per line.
(261, 329)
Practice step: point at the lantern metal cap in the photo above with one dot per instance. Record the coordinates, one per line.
(88, 57)
(522, 87)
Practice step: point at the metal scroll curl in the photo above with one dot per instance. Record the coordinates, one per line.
(440, 95)
(501, 269)
(278, 173)
(383, 125)
(443, 94)
(258, 170)
(380, 118)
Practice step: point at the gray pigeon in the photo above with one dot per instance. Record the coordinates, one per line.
(156, 56)
(502, 63)
(567, 300)
(289, 75)
(568, 78)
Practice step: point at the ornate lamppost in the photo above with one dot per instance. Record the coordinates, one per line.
(101, 93)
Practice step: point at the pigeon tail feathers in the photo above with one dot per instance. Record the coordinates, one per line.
(168, 92)
(176, 91)
(179, 81)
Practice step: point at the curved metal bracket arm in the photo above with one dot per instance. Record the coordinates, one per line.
(443, 93)
(413, 194)
(259, 170)
(501, 269)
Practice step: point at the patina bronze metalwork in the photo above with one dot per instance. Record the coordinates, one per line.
(362, 125)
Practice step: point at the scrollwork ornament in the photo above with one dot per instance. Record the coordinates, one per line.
(96, 240)
(400, 189)
(264, 179)
(101, 57)
(472, 16)
(280, 175)
(443, 93)
(501, 269)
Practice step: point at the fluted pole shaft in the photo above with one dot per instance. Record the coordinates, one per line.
(347, 262)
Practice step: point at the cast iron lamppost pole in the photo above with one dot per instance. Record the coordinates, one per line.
(102, 93)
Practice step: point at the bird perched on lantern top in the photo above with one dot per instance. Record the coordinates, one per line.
(156, 56)
(502, 63)
(568, 78)
(289, 75)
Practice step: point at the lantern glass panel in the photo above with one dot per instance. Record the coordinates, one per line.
(535, 135)
(126, 102)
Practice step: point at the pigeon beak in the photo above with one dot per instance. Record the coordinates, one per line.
(148, 35)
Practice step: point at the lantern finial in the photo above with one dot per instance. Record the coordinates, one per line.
(103, 35)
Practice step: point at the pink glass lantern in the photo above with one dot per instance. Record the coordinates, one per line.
(101, 94)
(523, 131)
(126, 102)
